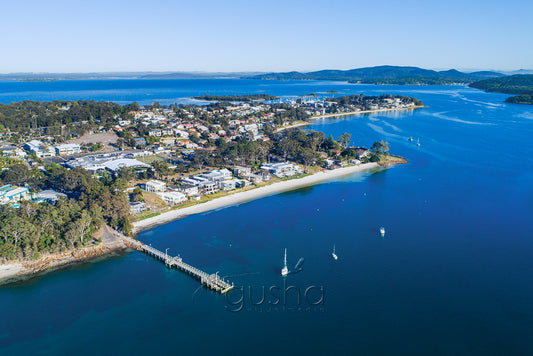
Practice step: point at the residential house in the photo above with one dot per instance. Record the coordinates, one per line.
(209, 187)
(154, 186)
(242, 171)
(137, 207)
(48, 195)
(140, 141)
(217, 175)
(13, 151)
(282, 169)
(13, 195)
(228, 184)
(188, 189)
(172, 198)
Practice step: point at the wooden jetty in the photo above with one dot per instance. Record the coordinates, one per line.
(211, 281)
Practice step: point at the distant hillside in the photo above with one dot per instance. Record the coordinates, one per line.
(515, 84)
(385, 75)
(36, 77)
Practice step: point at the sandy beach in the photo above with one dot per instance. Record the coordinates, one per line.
(363, 112)
(325, 116)
(10, 270)
(248, 195)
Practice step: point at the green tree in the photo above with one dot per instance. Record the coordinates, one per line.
(344, 139)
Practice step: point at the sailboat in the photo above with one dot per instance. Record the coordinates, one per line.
(285, 270)
(382, 231)
(333, 253)
(418, 141)
(410, 139)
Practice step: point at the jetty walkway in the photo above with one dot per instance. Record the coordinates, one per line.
(211, 281)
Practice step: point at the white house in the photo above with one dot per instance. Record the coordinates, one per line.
(137, 208)
(40, 149)
(154, 186)
(283, 169)
(242, 171)
(13, 151)
(188, 189)
(68, 149)
(228, 184)
(209, 187)
(48, 195)
(172, 198)
(10, 194)
(217, 175)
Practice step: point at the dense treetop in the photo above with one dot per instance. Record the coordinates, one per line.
(513, 84)
(23, 115)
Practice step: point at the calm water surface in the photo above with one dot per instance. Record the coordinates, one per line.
(452, 275)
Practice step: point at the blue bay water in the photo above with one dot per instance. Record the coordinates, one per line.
(452, 275)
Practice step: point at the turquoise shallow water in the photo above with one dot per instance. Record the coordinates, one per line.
(452, 275)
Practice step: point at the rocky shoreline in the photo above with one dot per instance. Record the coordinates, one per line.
(19, 271)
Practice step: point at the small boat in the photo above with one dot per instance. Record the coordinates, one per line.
(382, 231)
(333, 254)
(410, 139)
(418, 142)
(285, 270)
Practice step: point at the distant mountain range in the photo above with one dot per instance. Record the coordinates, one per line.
(385, 75)
(367, 75)
(122, 75)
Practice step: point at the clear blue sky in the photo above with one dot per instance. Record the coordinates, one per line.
(175, 35)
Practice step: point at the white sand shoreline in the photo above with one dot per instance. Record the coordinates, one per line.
(248, 195)
(327, 116)
(10, 270)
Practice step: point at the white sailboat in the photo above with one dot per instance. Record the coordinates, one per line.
(418, 141)
(285, 270)
(382, 231)
(333, 254)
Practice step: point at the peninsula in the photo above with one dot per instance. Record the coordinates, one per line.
(63, 188)
(521, 84)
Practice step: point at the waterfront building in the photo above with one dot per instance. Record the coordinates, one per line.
(154, 186)
(172, 198)
(217, 175)
(137, 207)
(209, 187)
(242, 171)
(188, 189)
(282, 169)
(228, 184)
